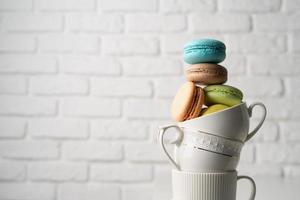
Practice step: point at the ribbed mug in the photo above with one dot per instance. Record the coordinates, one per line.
(207, 186)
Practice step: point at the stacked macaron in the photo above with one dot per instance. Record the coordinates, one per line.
(204, 93)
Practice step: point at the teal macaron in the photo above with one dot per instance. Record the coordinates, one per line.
(204, 51)
(222, 94)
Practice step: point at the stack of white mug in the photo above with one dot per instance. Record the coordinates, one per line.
(207, 151)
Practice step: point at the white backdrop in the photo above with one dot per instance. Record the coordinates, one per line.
(85, 83)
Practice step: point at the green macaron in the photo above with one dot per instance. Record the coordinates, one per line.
(214, 108)
(222, 94)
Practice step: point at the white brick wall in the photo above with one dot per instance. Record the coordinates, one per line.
(85, 83)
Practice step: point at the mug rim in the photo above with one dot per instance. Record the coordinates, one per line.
(231, 172)
(226, 109)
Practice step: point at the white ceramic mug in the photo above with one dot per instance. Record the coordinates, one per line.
(200, 152)
(232, 123)
(207, 186)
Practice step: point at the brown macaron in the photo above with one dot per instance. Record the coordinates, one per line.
(207, 73)
(187, 103)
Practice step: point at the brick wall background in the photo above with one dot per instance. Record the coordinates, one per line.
(85, 83)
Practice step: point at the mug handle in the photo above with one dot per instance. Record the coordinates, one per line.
(162, 131)
(253, 186)
(252, 133)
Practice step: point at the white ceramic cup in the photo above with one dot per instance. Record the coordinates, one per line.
(200, 152)
(232, 123)
(207, 186)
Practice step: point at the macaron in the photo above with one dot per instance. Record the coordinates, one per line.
(222, 94)
(207, 73)
(187, 103)
(204, 51)
(213, 109)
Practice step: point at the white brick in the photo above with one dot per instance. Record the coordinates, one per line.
(119, 129)
(58, 85)
(29, 149)
(223, 22)
(129, 45)
(288, 111)
(121, 172)
(292, 84)
(144, 152)
(235, 65)
(69, 43)
(270, 22)
(93, 65)
(155, 22)
(291, 171)
(167, 88)
(32, 22)
(187, 5)
(295, 42)
(256, 44)
(147, 66)
(104, 23)
(58, 128)
(91, 107)
(163, 174)
(147, 109)
(269, 132)
(137, 192)
(250, 5)
(278, 112)
(290, 131)
(247, 154)
(153, 130)
(128, 5)
(12, 171)
(66, 5)
(170, 46)
(17, 43)
(11, 128)
(57, 171)
(278, 153)
(92, 151)
(21, 191)
(89, 191)
(274, 64)
(259, 170)
(292, 107)
(15, 105)
(293, 22)
(174, 43)
(291, 6)
(253, 87)
(13, 85)
(121, 87)
(13, 5)
(27, 64)
(162, 170)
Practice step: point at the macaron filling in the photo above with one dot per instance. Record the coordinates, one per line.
(193, 111)
(208, 70)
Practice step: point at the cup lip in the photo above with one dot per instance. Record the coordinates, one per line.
(224, 110)
(221, 173)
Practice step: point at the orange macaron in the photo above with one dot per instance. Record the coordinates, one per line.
(187, 103)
